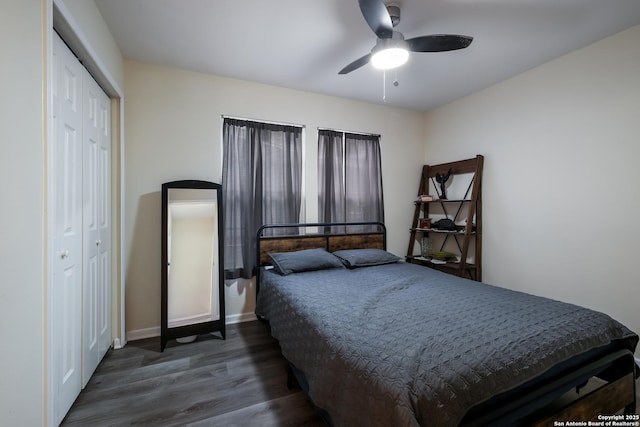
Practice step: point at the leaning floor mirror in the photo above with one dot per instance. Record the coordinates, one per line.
(192, 261)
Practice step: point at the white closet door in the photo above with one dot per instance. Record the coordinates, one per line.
(66, 248)
(81, 231)
(96, 226)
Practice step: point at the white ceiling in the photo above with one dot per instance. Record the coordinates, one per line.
(302, 44)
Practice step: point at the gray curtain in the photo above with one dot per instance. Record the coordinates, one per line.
(350, 178)
(331, 200)
(363, 178)
(262, 184)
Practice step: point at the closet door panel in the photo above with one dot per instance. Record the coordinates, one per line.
(104, 222)
(66, 251)
(96, 229)
(90, 354)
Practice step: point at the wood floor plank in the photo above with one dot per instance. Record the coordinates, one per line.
(290, 410)
(238, 381)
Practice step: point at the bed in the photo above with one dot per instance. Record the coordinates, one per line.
(376, 341)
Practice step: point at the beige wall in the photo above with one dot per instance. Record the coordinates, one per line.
(561, 193)
(173, 131)
(22, 314)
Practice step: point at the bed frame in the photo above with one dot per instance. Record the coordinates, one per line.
(325, 237)
(532, 404)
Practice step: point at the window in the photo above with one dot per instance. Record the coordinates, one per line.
(262, 184)
(349, 177)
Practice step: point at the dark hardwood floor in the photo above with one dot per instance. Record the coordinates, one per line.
(240, 381)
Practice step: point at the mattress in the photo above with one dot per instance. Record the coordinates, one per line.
(405, 345)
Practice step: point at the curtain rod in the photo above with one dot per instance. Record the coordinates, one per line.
(271, 122)
(351, 132)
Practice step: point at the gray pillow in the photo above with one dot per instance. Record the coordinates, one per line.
(353, 258)
(304, 260)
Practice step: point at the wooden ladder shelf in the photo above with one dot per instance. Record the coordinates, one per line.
(465, 241)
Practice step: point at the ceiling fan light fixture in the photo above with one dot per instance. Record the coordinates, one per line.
(387, 59)
(391, 49)
(390, 53)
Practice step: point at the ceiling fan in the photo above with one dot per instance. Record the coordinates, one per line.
(391, 49)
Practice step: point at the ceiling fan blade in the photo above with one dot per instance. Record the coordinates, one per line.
(438, 43)
(377, 16)
(356, 64)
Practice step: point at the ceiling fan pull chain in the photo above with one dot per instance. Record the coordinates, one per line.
(384, 85)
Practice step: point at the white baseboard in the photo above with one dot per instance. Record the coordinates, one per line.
(190, 320)
(140, 334)
(240, 317)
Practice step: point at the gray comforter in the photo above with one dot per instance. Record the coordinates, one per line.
(404, 345)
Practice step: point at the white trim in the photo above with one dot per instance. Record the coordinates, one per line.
(139, 334)
(240, 318)
(49, 412)
(123, 331)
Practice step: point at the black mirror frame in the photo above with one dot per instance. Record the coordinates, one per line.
(167, 333)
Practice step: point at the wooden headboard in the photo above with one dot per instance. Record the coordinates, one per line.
(323, 236)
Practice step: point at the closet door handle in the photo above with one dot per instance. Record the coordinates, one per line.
(64, 254)
(98, 242)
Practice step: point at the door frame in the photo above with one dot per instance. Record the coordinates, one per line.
(58, 16)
